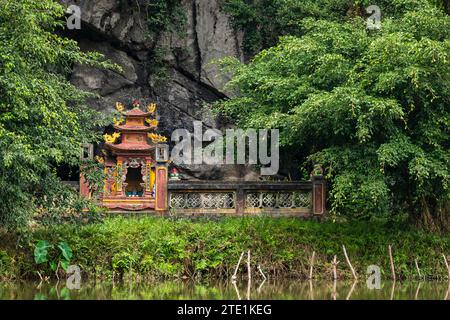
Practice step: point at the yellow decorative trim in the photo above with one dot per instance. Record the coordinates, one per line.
(152, 178)
(156, 138)
(111, 138)
(120, 107)
(151, 107)
(118, 122)
(152, 122)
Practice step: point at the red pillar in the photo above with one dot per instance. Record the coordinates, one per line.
(161, 188)
(120, 174)
(84, 187)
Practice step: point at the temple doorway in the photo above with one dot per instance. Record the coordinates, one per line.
(134, 183)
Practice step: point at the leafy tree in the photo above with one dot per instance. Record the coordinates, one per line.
(263, 21)
(370, 105)
(43, 118)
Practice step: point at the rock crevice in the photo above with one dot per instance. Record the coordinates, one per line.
(193, 82)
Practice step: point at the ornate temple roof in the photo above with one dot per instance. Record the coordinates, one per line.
(136, 128)
(127, 146)
(134, 133)
(136, 112)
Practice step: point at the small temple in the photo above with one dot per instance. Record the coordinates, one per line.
(135, 163)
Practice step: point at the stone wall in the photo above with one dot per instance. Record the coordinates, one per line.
(118, 29)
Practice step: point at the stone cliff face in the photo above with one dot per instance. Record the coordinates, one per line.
(118, 29)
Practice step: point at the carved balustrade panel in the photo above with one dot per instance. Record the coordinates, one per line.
(282, 199)
(204, 200)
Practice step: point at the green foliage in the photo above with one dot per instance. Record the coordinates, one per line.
(94, 174)
(164, 15)
(160, 247)
(43, 118)
(371, 106)
(64, 204)
(157, 67)
(161, 15)
(264, 21)
(59, 255)
(41, 252)
(5, 265)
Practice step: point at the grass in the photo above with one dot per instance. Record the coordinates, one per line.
(153, 247)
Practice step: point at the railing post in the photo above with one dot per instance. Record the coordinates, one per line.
(240, 200)
(87, 153)
(318, 191)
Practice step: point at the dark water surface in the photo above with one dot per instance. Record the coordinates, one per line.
(287, 289)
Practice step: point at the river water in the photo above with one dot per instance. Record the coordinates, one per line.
(173, 290)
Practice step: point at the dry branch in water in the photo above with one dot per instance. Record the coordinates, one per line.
(392, 263)
(447, 265)
(335, 263)
(233, 277)
(312, 265)
(349, 263)
(417, 268)
(249, 269)
(262, 273)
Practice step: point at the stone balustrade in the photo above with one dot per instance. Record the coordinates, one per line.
(291, 198)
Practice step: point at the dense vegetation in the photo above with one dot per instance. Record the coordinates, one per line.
(151, 247)
(263, 21)
(371, 106)
(43, 118)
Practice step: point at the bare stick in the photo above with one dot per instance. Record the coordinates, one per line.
(261, 285)
(40, 282)
(416, 296)
(237, 290)
(233, 277)
(349, 263)
(57, 270)
(57, 290)
(392, 263)
(249, 269)
(334, 290)
(349, 295)
(446, 264)
(312, 265)
(393, 290)
(417, 268)
(335, 263)
(311, 290)
(262, 273)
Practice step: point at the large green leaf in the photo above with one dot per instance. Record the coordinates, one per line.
(53, 265)
(41, 251)
(65, 264)
(65, 250)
